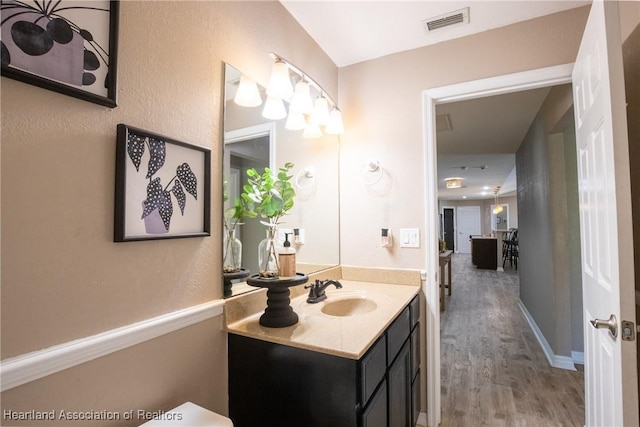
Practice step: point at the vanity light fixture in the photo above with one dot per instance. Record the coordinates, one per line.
(302, 110)
(312, 130)
(274, 109)
(301, 100)
(320, 115)
(295, 120)
(280, 82)
(453, 183)
(248, 94)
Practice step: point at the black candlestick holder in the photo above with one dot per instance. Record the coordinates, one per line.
(278, 313)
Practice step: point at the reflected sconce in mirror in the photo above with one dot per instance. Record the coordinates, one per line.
(453, 183)
(248, 94)
(304, 113)
(371, 172)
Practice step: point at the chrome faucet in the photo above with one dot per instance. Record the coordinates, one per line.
(316, 290)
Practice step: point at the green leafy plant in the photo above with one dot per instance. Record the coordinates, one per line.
(268, 196)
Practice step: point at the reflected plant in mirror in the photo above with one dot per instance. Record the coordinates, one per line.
(232, 253)
(270, 198)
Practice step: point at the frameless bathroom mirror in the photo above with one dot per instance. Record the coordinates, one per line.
(499, 218)
(251, 141)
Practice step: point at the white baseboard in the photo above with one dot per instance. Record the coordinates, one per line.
(578, 357)
(28, 367)
(562, 362)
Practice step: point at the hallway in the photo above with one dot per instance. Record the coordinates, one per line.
(494, 372)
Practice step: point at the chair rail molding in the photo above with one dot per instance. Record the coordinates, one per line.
(28, 367)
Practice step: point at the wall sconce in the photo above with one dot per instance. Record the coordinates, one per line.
(453, 183)
(303, 112)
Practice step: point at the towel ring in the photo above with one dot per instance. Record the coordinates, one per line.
(371, 172)
(306, 178)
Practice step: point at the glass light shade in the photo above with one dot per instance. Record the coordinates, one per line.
(280, 83)
(274, 109)
(335, 126)
(295, 120)
(301, 100)
(453, 183)
(312, 131)
(320, 115)
(497, 209)
(247, 94)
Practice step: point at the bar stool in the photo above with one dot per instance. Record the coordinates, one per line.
(510, 248)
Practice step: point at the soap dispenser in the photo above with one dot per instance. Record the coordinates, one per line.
(287, 259)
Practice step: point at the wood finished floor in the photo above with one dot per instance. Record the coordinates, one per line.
(493, 370)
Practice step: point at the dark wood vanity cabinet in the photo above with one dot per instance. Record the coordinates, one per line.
(277, 385)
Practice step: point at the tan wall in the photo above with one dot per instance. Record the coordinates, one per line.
(382, 105)
(63, 278)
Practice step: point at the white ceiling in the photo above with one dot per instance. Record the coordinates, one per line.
(359, 30)
(486, 132)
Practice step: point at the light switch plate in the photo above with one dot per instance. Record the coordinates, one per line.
(409, 237)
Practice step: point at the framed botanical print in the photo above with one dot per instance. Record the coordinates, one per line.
(62, 45)
(163, 187)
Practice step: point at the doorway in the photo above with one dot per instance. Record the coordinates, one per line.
(465, 91)
(468, 224)
(448, 227)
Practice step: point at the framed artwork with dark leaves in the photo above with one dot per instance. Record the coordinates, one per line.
(163, 187)
(62, 45)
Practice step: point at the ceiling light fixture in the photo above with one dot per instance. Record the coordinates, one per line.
(453, 183)
(498, 207)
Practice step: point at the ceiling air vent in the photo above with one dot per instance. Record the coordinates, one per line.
(452, 18)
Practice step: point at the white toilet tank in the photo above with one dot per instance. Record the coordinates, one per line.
(189, 415)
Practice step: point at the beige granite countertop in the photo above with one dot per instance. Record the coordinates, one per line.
(344, 336)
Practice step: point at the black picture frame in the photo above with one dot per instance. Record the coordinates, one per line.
(162, 189)
(69, 47)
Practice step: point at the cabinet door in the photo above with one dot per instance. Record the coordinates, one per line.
(415, 396)
(400, 389)
(375, 415)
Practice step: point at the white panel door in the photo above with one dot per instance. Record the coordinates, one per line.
(607, 246)
(468, 224)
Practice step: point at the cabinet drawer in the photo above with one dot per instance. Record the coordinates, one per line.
(373, 368)
(415, 351)
(415, 311)
(398, 333)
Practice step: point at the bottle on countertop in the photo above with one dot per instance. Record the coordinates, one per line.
(287, 259)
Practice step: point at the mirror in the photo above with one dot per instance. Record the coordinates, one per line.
(499, 217)
(251, 141)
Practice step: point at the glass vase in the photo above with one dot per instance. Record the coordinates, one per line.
(268, 255)
(232, 261)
